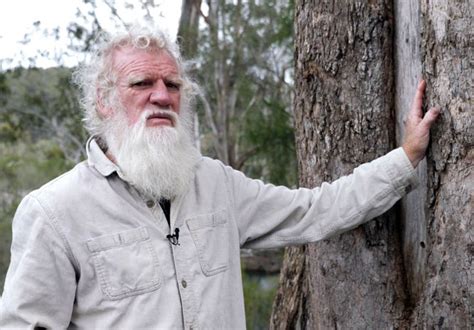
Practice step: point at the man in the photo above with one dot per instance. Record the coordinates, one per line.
(146, 233)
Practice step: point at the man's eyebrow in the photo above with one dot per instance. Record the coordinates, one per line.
(175, 79)
(138, 78)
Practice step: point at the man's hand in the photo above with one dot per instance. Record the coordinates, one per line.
(417, 127)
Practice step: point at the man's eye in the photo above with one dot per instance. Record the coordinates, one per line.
(172, 85)
(142, 83)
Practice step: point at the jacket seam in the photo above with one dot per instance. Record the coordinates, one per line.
(55, 225)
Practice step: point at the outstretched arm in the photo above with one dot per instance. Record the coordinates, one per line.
(417, 127)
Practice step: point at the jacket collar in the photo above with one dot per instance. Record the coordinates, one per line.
(97, 158)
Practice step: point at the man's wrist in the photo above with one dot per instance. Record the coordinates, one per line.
(412, 156)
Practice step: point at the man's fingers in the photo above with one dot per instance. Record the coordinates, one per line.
(418, 100)
(430, 118)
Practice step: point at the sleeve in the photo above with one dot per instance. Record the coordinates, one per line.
(40, 284)
(268, 216)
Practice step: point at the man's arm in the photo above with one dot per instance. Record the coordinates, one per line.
(269, 216)
(40, 284)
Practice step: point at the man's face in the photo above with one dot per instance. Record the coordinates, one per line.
(147, 81)
(145, 133)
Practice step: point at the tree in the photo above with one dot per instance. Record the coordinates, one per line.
(244, 61)
(410, 267)
(44, 106)
(188, 30)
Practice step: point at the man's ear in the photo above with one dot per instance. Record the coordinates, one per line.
(103, 107)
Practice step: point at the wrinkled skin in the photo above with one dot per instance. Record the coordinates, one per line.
(146, 80)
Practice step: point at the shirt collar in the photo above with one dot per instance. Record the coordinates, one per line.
(97, 158)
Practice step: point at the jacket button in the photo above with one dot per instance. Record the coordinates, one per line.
(150, 203)
(184, 283)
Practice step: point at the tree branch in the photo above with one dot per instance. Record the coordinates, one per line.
(240, 162)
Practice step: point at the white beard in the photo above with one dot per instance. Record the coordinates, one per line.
(158, 161)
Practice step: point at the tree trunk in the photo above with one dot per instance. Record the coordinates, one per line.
(413, 265)
(188, 30)
(188, 36)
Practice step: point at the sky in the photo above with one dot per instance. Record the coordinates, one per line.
(17, 18)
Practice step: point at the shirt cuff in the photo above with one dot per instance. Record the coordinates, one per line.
(401, 171)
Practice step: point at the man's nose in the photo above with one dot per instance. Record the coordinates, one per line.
(160, 95)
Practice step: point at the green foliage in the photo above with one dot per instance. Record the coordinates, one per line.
(43, 104)
(259, 291)
(245, 61)
(275, 137)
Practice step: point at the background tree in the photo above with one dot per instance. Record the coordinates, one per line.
(412, 267)
(244, 62)
(45, 105)
(188, 30)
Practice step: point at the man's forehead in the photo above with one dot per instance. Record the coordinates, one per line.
(130, 59)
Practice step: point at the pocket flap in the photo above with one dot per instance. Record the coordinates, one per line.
(210, 234)
(216, 218)
(106, 242)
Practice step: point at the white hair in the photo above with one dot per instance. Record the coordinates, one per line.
(98, 75)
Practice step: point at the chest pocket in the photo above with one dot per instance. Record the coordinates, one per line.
(210, 234)
(126, 263)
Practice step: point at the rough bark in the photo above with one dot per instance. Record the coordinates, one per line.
(343, 102)
(348, 109)
(291, 293)
(447, 63)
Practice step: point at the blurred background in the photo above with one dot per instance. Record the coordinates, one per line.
(241, 53)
